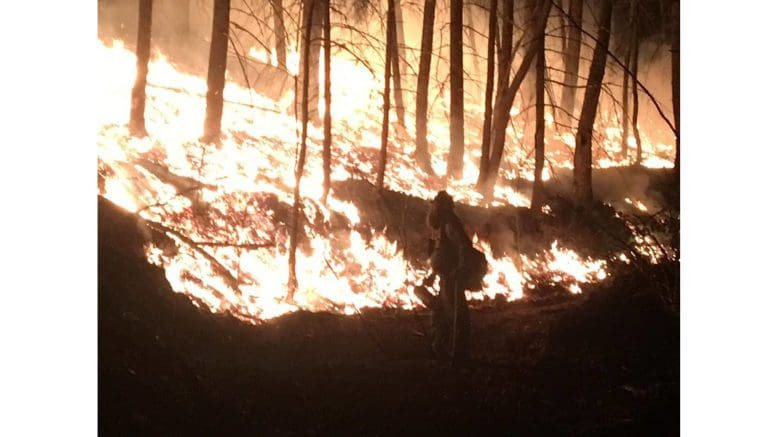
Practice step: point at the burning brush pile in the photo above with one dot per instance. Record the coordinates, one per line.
(218, 215)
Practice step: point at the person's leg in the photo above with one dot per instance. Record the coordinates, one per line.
(463, 326)
(442, 320)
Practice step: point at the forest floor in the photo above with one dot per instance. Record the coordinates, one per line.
(605, 362)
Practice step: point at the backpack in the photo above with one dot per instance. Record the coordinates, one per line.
(475, 267)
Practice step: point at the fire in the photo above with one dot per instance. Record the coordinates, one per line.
(221, 196)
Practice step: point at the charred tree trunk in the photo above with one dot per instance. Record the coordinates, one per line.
(504, 101)
(676, 85)
(386, 99)
(503, 77)
(137, 124)
(313, 34)
(327, 146)
(635, 98)
(279, 29)
(537, 196)
(399, 105)
(217, 64)
(294, 234)
(489, 98)
(506, 49)
(456, 154)
(572, 58)
(582, 171)
(625, 105)
(422, 91)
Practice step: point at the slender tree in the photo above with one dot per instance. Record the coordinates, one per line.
(315, 8)
(504, 101)
(676, 83)
(386, 97)
(635, 96)
(572, 58)
(505, 58)
(625, 104)
(471, 40)
(401, 44)
(506, 49)
(422, 91)
(217, 65)
(456, 154)
(582, 171)
(279, 29)
(537, 197)
(399, 104)
(489, 97)
(137, 124)
(294, 233)
(327, 147)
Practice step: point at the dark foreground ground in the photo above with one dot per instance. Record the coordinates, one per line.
(605, 363)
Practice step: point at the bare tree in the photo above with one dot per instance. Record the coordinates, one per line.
(504, 101)
(582, 172)
(676, 83)
(625, 103)
(505, 57)
(422, 91)
(537, 197)
(572, 57)
(399, 104)
(489, 97)
(279, 28)
(327, 146)
(294, 233)
(217, 65)
(635, 95)
(390, 29)
(456, 153)
(316, 33)
(506, 49)
(137, 124)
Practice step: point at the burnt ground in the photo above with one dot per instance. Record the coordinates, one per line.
(607, 362)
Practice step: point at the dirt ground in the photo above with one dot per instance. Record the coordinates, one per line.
(607, 362)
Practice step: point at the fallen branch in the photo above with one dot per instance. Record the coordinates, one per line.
(219, 268)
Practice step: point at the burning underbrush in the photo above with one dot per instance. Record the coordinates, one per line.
(216, 216)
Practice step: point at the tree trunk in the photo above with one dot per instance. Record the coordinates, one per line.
(503, 77)
(489, 98)
(456, 154)
(506, 49)
(582, 171)
(399, 105)
(292, 284)
(280, 32)
(504, 101)
(327, 146)
(572, 58)
(315, 32)
(676, 85)
(386, 98)
(625, 105)
(217, 64)
(537, 197)
(422, 91)
(472, 41)
(137, 124)
(562, 21)
(635, 98)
